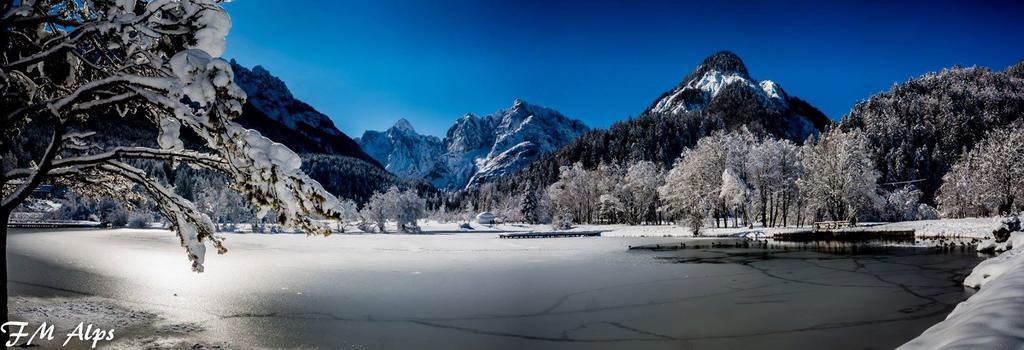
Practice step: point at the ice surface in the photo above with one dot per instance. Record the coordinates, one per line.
(473, 290)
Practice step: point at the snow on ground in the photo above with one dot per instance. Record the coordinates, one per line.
(959, 228)
(990, 319)
(133, 328)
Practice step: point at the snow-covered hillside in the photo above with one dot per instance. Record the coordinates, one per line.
(475, 149)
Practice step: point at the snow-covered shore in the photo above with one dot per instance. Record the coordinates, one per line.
(953, 228)
(992, 318)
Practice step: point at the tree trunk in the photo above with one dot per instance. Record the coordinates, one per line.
(785, 210)
(5, 215)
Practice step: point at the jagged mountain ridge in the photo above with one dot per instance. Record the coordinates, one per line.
(475, 149)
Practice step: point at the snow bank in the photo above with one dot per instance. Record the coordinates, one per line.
(992, 318)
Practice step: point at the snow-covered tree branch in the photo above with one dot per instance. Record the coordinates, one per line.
(70, 68)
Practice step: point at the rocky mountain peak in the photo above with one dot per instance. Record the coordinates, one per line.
(725, 62)
(404, 126)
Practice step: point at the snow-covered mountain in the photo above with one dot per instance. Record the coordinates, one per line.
(705, 83)
(475, 149)
(722, 81)
(273, 111)
(719, 95)
(402, 151)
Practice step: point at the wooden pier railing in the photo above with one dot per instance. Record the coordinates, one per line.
(831, 225)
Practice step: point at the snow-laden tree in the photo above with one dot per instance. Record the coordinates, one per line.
(920, 128)
(735, 193)
(960, 194)
(529, 207)
(376, 212)
(987, 180)
(608, 193)
(712, 179)
(71, 67)
(640, 189)
(348, 213)
(572, 196)
(405, 208)
(610, 208)
(509, 207)
(840, 180)
(408, 208)
(691, 190)
(773, 167)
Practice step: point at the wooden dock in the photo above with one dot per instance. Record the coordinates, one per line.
(551, 234)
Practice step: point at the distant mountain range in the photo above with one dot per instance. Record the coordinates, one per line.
(918, 129)
(475, 149)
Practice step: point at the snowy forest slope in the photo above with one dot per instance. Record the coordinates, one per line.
(920, 128)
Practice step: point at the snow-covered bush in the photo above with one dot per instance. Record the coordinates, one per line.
(927, 212)
(561, 222)
(903, 205)
(70, 69)
(138, 220)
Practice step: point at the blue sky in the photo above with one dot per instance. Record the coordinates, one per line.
(368, 63)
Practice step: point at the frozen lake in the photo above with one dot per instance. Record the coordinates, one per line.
(476, 291)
